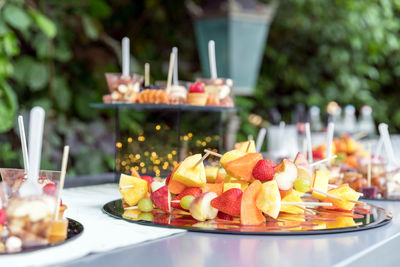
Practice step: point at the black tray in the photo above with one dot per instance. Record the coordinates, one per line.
(75, 229)
(377, 218)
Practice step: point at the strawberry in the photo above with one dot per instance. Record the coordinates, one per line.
(2, 216)
(162, 199)
(50, 189)
(317, 154)
(264, 170)
(229, 202)
(224, 216)
(194, 191)
(197, 87)
(149, 180)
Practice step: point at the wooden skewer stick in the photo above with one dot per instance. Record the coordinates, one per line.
(359, 135)
(326, 194)
(357, 202)
(332, 186)
(316, 204)
(175, 201)
(170, 70)
(308, 210)
(323, 161)
(126, 186)
(248, 145)
(201, 160)
(132, 208)
(213, 153)
(146, 74)
(61, 182)
(369, 166)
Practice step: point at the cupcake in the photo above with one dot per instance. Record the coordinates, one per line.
(197, 95)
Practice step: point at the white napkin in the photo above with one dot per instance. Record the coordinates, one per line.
(101, 232)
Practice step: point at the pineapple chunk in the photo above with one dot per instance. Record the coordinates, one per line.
(228, 186)
(269, 199)
(345, 193)
(243, 184)
(133, 194)
(321, 181)
(211, 173)
(231, 155)
(293, 196)
(190, 175)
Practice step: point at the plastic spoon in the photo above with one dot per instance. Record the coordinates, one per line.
(23, 143)
(384, 132)
(175, 75)
(125, 57)
(211, 57)
(36, 123)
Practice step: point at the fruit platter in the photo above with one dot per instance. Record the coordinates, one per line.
(245, 194)
(364, 171)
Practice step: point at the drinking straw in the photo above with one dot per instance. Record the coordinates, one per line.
(170, 69)
(211, 57)
(260, 139)
(62, 179)
(146, 74)
(329, 136)
(23, 143)
(125, 57)
(175, 76)
(309, 144)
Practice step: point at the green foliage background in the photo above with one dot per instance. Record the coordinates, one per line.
(54, 53)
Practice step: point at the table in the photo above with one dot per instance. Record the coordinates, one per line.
(363, 248)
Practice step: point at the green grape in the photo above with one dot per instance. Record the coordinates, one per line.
(145, 205)
(146, 216)
(186, 201)
(302, 184)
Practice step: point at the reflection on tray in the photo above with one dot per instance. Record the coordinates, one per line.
(323, 221)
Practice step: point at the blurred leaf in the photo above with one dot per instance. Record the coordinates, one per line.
(62, 93)
(44, 23)
(37, 76)
(89, 28)
(8, 106)
(16, 17)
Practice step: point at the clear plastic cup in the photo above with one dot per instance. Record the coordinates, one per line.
(123, 89)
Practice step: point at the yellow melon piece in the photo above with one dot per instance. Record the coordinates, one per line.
(190, 175)
(228, 186)
(242, 146)
(211, 173)
(293, 196)
(341, 222)
(346, 193)
(269, 199)
(231, 155)
(133, 194)
(321, 181)
(242, 168)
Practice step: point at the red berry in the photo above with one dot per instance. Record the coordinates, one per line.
(197, 87)
(264, 170)
(229, 202)
(317, 154)
(168, 179)
(50, 189)
(193, 191)
(2, 216)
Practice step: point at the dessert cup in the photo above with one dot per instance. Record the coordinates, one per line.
(59, 230)
(198, 99)
(221, 89)
(31, 219)
(123, 89)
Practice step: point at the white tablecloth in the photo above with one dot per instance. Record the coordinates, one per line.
(101, 232)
